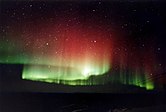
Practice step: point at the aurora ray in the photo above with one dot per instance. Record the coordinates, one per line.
(77, 46)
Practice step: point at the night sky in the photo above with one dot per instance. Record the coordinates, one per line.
(74, 43)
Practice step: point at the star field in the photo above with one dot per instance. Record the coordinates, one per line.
(62, 42)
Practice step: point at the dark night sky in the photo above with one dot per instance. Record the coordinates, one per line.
(131, 33)
(124, 40)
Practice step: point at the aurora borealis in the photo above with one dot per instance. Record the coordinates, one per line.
(73, 43)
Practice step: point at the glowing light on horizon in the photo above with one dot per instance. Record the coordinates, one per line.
(76, 55)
